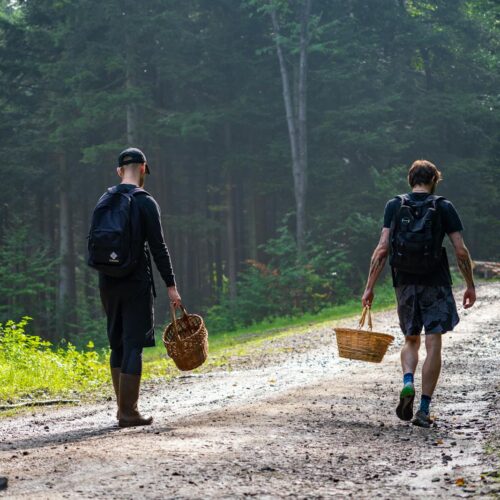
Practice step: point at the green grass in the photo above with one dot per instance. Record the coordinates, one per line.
(31, 368)
(226, 345)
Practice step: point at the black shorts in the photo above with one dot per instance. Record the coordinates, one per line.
(129, 309)
(429, 307)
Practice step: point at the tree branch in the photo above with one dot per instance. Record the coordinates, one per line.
(40, 403)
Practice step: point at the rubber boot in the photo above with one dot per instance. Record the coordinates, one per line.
(129, 395)
(115, 377)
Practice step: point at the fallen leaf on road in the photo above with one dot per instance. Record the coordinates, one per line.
(460, 481)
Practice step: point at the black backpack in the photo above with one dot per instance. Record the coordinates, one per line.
(115, 241)
(415, 240)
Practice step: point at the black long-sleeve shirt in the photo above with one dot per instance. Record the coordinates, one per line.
(153, 236)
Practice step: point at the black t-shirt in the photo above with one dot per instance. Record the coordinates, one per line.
(451, 223)
(153, 235)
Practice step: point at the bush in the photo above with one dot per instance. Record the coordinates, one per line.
(287, 285)
(31, 367)
(27, 275)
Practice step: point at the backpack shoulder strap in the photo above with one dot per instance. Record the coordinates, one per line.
(403, 197)
(138, 190)
(108, 191)
(434, 198)
(114, 190)
(395, 215)
(132, 192)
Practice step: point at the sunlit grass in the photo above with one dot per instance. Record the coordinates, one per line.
(31, 368)
(226, 345)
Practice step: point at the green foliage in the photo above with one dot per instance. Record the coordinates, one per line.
(26, 274)
(388, 82)
(31, 367)
(91, 325)
(285, 286)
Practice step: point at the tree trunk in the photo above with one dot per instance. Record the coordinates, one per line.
(88, 287)
(131, 107)
(296, 121)
(230, 221)
(67, 287)
(4, 218)
(301, 174)
(219, 271)
(424, 52)
(231, 239)
(252, 225)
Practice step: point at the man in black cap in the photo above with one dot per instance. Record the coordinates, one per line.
(128, 300)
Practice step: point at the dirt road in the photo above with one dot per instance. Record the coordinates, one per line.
(292, 420)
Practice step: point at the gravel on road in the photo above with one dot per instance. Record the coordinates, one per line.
(291, 419)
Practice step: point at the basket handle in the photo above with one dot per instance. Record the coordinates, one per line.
(366, 312)
(173, 314)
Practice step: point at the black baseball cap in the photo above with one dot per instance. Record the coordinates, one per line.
(132, 155)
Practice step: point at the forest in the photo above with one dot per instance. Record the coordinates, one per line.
(276, 132)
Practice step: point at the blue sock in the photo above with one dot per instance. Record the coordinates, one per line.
(408, 378)
(425, 402)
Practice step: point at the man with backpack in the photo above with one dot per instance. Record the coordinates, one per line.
(125, 227)
(414, 228)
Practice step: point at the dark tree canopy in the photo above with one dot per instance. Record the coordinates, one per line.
(197, 85)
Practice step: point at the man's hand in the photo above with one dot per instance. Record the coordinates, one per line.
(368, 297)
(469, 297)
(174, 296)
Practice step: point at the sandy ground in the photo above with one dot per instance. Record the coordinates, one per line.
(291, 420)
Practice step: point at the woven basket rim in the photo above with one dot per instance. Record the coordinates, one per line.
(189, 315)
(365, 332)
(169, 327)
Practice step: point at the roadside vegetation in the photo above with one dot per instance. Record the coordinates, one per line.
(387, 83)
(33, 369)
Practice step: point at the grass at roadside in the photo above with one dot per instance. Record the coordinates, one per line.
(33, 369)
(240, 342)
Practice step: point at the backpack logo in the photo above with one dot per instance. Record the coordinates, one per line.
(113, 256)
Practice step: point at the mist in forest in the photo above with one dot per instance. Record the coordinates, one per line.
(276, 133)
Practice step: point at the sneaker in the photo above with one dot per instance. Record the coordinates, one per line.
(405, 407)
(422, 419)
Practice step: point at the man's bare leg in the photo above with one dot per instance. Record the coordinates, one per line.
(409, 353)
(409, 361)
(430, 375)
(432, 364)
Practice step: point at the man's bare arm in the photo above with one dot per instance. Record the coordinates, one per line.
(379, 258)
(464, 262)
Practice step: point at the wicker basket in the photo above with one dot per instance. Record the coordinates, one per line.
(361, 344)
(186, 340)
